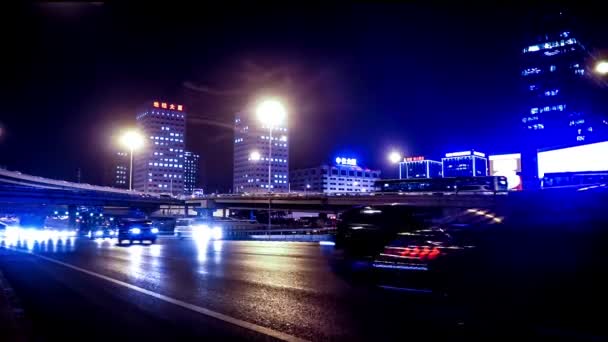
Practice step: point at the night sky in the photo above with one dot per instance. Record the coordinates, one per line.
(359, 80)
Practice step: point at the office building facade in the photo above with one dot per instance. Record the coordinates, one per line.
(342, 177)
(465, 164)
(418, 167)
(565, 101)
(117, 171)
(252, 155)
(191, 172)
(159, 165)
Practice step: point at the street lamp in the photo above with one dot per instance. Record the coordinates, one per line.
(271, 113)
(394, 157)
(602, 67)
(132, 140)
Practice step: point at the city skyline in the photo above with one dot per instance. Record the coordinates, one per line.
(362, 91)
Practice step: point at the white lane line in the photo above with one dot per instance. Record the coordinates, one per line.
(207, 312)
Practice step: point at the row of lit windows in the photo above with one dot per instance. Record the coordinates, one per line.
(537, 110)
(552, 68)
(536, 126)
(168, 139)
(550, 45)
(165, 165)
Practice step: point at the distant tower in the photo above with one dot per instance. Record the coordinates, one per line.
(117, 173)
(191, 172)
(159, 165)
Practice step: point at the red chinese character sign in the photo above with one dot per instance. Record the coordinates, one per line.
(409, 159)
(170, 106)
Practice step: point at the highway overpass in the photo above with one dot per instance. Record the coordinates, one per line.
(332, 204)
(18, 189)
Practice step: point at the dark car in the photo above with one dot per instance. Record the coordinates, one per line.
(102, 232)
(364, 231)
(422, 249)
(136, 230)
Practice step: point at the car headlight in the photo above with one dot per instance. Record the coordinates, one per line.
(216, 233)
(154, 230)
(99, 233)
(135, 230)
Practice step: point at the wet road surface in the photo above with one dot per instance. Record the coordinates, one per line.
(186, 290)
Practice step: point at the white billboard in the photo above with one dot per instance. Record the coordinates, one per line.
(508, 165)
(591, 157)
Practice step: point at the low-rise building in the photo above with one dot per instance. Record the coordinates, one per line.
(345, 176)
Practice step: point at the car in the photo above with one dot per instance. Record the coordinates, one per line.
(433, 250)
(197, 229)
(362, 232)
(102, 232)
(136, 230)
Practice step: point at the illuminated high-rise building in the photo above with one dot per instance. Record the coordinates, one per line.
(191, 171)
(563, 98)
(159, 165)
(251, 155)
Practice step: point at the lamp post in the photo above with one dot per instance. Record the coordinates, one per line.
(601, 67)
(132, 140)
(271, 113)
(395, 157)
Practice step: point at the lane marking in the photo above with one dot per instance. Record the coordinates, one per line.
(207, 312)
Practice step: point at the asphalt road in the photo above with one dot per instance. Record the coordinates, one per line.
(182, 290)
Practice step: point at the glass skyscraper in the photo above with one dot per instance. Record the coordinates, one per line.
(159, 165)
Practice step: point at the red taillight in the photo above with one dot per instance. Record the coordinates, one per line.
(421, 253)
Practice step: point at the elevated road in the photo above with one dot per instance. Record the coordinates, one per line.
(325, 203)
(21, 189)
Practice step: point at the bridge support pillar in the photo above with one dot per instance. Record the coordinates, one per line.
(72, 216)
(252, 215)
(186, 209)
(204, 212)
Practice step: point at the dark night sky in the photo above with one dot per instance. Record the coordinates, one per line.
(359, 79)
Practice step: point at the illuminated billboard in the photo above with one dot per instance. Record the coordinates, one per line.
(508, 165)
(590, 157)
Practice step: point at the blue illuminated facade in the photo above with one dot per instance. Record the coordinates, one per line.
(465, 164)
(420, 168)
(564, 104)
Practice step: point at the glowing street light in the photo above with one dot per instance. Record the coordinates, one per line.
(394, 157)
(132, 140)
(270, 112)
(602, 67)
